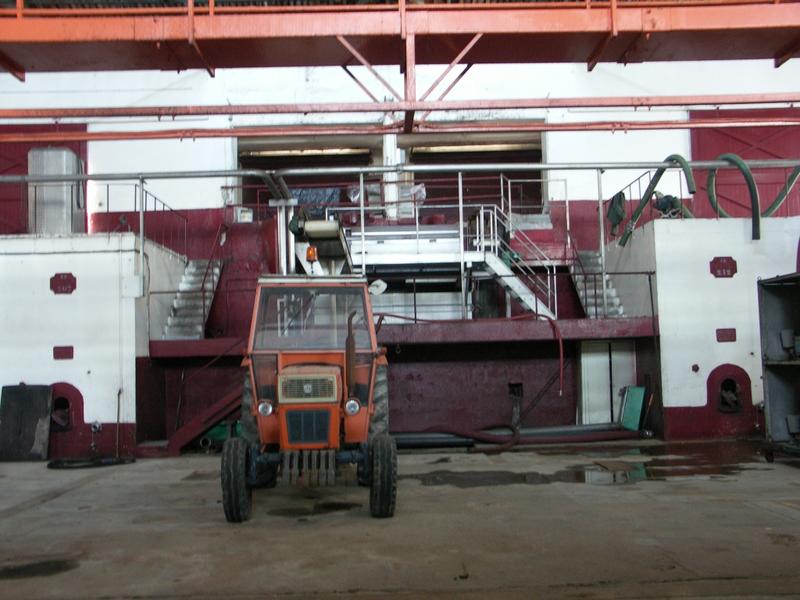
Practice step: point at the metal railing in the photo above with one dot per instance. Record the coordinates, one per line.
(219, 241)
(161, 223)
(633, 193)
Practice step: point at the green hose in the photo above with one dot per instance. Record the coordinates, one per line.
(783, 193)
(755, 204)
(648, 193)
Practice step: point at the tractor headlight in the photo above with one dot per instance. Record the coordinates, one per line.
(265, 409)
(352, 406)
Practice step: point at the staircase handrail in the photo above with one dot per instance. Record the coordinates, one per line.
(220, 230)
(537, 284)
(520, 235)
(576, 258)
(146, 195)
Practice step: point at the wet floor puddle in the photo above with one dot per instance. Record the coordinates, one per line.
(716, 461)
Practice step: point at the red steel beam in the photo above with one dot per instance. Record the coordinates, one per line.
(419, 106)
(459, 57)
(51, 39)
(12, 67)
(367, 129)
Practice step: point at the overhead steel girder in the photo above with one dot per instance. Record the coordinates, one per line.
(455, 127)
(40, 40)
(383, 107)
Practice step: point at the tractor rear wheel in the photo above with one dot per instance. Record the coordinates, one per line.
(247, 420)
(383, 481)
(237, 497)
(379, 423)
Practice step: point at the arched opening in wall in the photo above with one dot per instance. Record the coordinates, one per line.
(729, 400)
(60, 416)
(67, 427)
(729, 409)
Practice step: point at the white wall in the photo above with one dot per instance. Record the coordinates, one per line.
(97, 319)
(637, 256)
(693, 304)
(323, 84)
(159, 155)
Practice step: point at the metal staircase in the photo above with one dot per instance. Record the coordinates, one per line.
(519, 285)
(192, 303)
(586, 273)
(525, 271)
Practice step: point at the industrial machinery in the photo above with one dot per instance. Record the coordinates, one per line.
(315, 396)
(780, 352)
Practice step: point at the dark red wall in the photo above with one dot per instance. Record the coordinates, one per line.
(79, 441)
(465, 386)
(751, 143)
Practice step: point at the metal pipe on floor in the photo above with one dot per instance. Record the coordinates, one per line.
(528, 435)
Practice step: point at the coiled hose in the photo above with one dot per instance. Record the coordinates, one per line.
(651, 188)
(755, 202)
(711, 185)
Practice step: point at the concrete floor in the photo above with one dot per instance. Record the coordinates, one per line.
(692, 521)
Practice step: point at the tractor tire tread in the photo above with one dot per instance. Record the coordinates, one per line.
(237, 500)
(247, 420)
(383, 484)
(379, 423)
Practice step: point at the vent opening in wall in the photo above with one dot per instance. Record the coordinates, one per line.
(60, 417)
(729, 396)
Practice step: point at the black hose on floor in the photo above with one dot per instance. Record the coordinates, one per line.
(88, 463)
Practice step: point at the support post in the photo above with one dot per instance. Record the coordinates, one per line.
(361, 220)
(601, 222)
(410, 81)
(141, 228)
(461, 244)
(290, 257)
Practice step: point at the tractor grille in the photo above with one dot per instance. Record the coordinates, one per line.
(307, 426)
(308, 389)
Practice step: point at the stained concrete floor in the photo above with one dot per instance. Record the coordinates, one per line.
(614, 521)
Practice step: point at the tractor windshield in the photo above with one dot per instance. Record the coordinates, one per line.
(310, 318)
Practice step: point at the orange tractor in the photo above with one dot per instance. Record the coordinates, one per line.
(315, 396)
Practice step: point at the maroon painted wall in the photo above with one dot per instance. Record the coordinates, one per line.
(79, 441)
(708, 422)
(465, 386)
(751, 143)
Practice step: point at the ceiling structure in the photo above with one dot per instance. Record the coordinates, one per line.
(98, 35)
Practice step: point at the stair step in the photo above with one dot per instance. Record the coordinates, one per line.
(192, 309)
(196, 287)
(199, 275)
(189, 303)
(173, 333)
(592, 294)
(610, 302)
(185, 320)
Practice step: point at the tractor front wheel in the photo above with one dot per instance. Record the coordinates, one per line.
(383, 480)
(237, 497)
